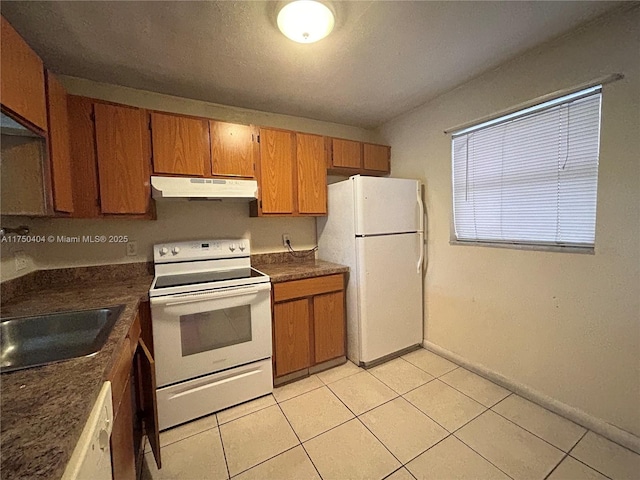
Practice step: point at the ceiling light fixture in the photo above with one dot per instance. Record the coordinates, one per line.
(305, 21)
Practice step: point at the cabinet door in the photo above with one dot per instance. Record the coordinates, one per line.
(376, 157)
(86, 203)
(147, 377)
(346, 153)
(180, 145)
(59, 146)
(22, 78)
(122, 144)
(291, 336)
(123, 462)
(232, 149)
(328, 326)
(276, 170)
(312, 174)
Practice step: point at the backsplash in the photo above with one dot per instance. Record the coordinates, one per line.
(283, 257)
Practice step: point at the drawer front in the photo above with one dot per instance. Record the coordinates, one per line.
(307, 287)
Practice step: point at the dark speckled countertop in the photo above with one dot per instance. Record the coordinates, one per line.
(44, 409)
(287, 271)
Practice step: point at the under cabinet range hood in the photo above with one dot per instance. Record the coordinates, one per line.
(203, 188)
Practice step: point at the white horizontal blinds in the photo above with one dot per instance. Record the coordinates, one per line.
(531, 179)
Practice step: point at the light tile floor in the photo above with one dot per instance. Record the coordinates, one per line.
(416, 417)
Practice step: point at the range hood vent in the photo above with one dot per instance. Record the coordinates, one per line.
(203, 188)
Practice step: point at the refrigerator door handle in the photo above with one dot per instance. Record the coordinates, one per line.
(421, 259)
(421, 232)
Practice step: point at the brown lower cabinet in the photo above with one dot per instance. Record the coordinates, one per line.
(133, 389)
(308, 323)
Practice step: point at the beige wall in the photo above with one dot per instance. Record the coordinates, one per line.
(177, 220)
(567, 325)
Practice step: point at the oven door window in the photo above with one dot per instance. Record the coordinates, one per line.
(207, 331)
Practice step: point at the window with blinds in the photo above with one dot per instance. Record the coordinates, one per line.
(530, 177)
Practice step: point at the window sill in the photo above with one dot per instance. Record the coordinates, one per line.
(521, 246)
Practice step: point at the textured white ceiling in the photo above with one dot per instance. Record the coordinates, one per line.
(382, 59)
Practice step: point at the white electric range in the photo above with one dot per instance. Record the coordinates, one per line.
(211, 317)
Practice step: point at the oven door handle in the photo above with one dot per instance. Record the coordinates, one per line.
(201, 297)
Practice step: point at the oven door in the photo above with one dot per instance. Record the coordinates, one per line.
(200, 333)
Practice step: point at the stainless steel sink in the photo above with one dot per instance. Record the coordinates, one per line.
(41, 339)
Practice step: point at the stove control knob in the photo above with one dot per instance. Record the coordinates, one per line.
(232, 247)
(163, 251)
(242, 247)
(175, 250)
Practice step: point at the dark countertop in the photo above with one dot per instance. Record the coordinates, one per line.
(285, 272)
(44, 409)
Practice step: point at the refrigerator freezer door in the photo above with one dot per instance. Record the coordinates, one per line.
(390, 294)
(386, 205)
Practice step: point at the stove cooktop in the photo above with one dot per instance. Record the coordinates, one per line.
(197, 278)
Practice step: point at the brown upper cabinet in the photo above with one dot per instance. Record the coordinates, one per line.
(110, 155)
(180, 145)
(311, 174)
(348, 157)
(277, 154)
(346, 153)
(59, 145)
(122, 146)
(199, 147)
(233, 149)
(22, 79)
(376, 157)
(293, 174)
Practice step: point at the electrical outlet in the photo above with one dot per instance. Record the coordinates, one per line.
(21, 260)
(286, 240)
(132, 248)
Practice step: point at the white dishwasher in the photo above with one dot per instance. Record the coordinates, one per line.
(91, 459)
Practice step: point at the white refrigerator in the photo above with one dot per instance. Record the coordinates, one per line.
(376, 227)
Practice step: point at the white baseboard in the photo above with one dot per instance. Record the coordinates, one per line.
(576, 415)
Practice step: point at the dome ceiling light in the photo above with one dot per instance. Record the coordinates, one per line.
(305, 21)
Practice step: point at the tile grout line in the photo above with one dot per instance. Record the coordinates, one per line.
(244, 415)
(410, 390)
(342, 378)
(264, 461)
(381, 443)
(477, 401)
(224, 453)
(478, 453)
(434, 420)
(299, 440)
(420, 411)
(565, 456)
(332, 428)
(422, 453)
(397, 470)
(586, 464)
(434, 376)
(185, 437)
(538, 436)
(271, 457)
(556, 466)
(487, 410)
(299, 394)
(512, 393)
(491, 408)
(356, 415)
